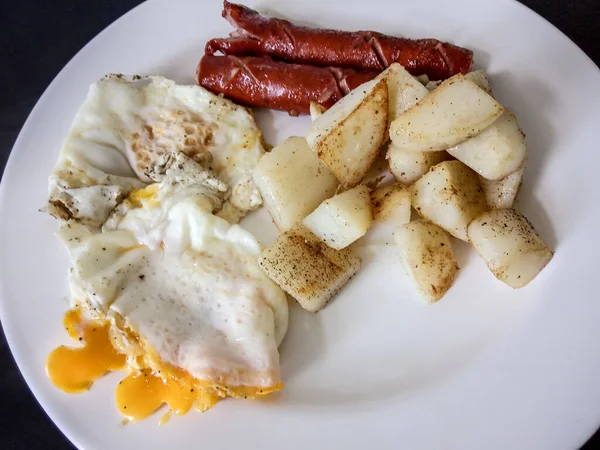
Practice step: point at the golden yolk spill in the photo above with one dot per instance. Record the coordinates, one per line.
(146, 194)
(74, 369)
(142, 392)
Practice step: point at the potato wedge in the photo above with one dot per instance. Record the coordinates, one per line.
(391, 203)
(316, 111)
(450, 196)
(391, 209)
(423, 79)
(404, 90)
(292, 182)
(407, 167)
(510, 246)
(348, 136)
(455, 111)
(427, 257)
(341, 220)
(502, 193)
(497, 151)
(431, 85)
(480, 78)
(307, 269)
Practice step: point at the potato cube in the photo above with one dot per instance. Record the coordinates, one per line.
(453, 112)
(341, 220)
(391, 208)
(316, 111)
(502, 193)
(450, 196)
(391, 203)
(427, 257)
(510, 246)
(292, 182)
(497, 151)
(404, 90)
(407, 167)
(307, 268)
(347, 137)
(480, 78)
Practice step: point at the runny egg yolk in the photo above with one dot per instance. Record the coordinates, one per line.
(146, 195)
(142, 392)
(74, 369)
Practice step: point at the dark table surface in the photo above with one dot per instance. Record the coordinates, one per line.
(37, 38)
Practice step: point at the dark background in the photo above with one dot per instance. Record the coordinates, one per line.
(37, 38)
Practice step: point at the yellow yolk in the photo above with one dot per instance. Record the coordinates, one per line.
(146, 195)
(74, 369)
(142, 392)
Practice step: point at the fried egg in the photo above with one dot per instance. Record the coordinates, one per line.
(175, 295)
(127, 123)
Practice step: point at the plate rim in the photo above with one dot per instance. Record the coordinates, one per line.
(10, 335)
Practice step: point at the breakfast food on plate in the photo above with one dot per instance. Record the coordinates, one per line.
(391, 208)
(450, 196)
(479, 77)
(176, 296)
(497, 151)
(348, 136)
(258, 35)
(502, 193)
(153, 177)
(316, 65)
(427, 257)
(293, 182)
(307, 268)
(404, 90)
(509, 245)
(262, 82)
(408, 166)
(391, 201)
(127, 123)
(163, 287)
(455, 111)
(341, 220)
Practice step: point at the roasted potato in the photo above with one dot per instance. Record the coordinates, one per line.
(455, 111)
(423, 79)
(307, 268)
(497, 151)
(480, 78)
(347, 137)
(391, 208)
(502, 193)
(427, 257)
(316, 111)
(407, 167)
(509, 245)
(431, 85)
(404, 90)
(391, 203)
(341, 220)
(292, 182)
(450, 196)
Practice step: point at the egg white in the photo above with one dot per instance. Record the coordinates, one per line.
(126, 124)
(187, 283)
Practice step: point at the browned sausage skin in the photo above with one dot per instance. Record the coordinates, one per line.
(262, 82)
(281, 39)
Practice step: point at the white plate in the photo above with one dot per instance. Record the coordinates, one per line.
(487, 367)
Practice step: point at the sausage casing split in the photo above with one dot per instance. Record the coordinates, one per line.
(263, 82)
(259, 35)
